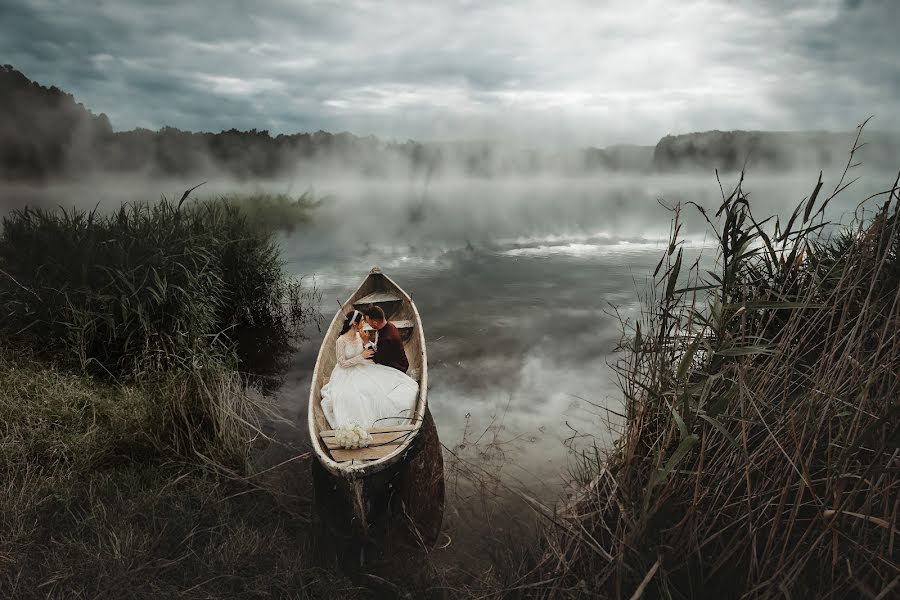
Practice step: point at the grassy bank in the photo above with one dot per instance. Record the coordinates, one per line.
(97, 502)
(760, 451)
(128, 418)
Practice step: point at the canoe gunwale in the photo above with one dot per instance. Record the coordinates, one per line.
(356, 471)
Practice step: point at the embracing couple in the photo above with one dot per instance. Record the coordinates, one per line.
(369, 385)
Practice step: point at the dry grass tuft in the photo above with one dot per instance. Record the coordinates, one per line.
(102, 495)
(760, 453)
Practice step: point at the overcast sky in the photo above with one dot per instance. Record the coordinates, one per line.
(558, 71)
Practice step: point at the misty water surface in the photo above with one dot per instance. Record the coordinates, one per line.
(514, 280)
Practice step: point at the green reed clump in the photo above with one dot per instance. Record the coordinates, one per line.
(759, 457)
(277, 212)
(145, 288)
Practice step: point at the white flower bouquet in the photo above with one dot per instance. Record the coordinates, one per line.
(352, 437)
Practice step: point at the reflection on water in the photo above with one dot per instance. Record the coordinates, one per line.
(512, 291)
(511, 278)
(512, 341)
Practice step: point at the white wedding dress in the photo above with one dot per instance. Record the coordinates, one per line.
(361, 392)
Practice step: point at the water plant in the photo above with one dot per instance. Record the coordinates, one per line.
(759, 453)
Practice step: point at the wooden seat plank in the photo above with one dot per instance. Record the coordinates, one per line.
(377, 297)
(370, 453)
(330, 432)
(391, 437)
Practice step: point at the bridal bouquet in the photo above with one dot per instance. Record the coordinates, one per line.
(352, 437)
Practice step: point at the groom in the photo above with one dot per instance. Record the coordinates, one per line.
(389, 350)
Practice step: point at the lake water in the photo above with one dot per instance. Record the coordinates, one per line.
(515, 282)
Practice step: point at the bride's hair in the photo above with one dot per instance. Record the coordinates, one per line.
(354, 317)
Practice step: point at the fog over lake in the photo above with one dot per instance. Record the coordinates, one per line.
(515, 280)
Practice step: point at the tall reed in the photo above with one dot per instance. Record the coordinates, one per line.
(760, 451)
(145, 288)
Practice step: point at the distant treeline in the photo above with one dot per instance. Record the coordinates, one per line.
(735, 150)
(46, 134)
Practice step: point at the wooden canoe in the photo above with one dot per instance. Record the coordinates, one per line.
(367, 480)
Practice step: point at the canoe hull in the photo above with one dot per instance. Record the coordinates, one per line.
(379, 290)
(402, 503)
(396, 497)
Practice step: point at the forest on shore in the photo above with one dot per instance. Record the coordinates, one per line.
(46, 134)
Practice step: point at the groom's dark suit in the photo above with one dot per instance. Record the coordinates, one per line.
(389, 351)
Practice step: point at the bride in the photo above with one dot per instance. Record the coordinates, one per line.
(361, 392)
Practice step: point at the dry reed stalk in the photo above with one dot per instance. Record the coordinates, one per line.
(761, 405)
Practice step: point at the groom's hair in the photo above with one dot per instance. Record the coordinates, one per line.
(374, 312)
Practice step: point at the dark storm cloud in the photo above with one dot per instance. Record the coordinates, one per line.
(839, 59)
(571, 71)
